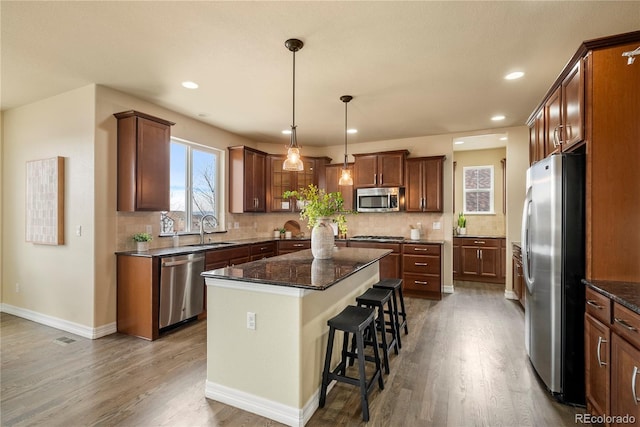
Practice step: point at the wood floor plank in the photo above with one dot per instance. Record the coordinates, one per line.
(462, 364)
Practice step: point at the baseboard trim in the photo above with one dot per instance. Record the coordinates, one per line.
(288, 415)
(55, 322)
(447, 289)
(510, 295)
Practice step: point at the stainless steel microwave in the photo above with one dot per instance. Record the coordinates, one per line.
(380, 199)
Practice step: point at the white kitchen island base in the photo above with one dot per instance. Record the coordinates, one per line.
(275, 370)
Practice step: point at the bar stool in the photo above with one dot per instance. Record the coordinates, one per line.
(378, 298)
(353, 320)
(396, 286)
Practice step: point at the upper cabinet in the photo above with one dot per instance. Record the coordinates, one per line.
(143, 162)
(424, 184)
(246, 180)
(332, 177)
(379, 169)
(279, 180)
(559, 123)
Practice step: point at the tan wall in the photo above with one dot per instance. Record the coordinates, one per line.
(485, 224)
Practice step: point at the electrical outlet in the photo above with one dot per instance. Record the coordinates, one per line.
(251, 320)
(79, 230)
(149, 229)
(436, 226)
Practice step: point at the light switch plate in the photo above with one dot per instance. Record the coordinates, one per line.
(251, 320)
(436, 226)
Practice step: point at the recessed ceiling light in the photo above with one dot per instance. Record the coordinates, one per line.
(352, 130)
(190, 85)
(497, 118)
(286, 132)
(513, 76)
(459, 142)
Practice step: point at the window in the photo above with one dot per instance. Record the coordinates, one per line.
(478, 190)
(194, 188)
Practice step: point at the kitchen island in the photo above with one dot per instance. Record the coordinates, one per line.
(267, 328)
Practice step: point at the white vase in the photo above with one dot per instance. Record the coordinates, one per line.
(462, 230)
(142, 246)
(322, 239)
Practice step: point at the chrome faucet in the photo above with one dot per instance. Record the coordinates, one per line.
(202, 220)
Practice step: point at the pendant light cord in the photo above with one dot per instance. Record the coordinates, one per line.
(294, 90)
(345, 135)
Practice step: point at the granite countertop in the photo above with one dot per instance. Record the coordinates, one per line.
(518, 244)
(300, 269)
(477, 236)
(624, 293)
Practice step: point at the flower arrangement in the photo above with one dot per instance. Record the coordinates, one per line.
(317, 203)
(142, 237)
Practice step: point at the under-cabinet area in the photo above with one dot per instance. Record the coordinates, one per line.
(612, 351)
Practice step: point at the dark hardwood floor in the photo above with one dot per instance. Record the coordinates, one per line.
(462, 364)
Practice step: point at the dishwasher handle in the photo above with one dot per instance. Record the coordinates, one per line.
(181, 261)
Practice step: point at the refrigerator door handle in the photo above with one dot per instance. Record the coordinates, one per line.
(526, 244)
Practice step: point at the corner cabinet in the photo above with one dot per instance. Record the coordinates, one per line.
(143, 162)
(246, 180)
(279, 180)
(424, 184)
(384, 169)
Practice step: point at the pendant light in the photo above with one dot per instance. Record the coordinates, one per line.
(293, 161)
(345, 176)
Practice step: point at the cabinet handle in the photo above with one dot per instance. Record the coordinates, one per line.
(600, 342)
(420, 282)
(420, 249)
(480, 250)
(625, 324)
(380, 179)
(298, 245)
(633, 385)
(557, 142)
(479, 242)
(375, 178)
(592, 303)
(421, 264)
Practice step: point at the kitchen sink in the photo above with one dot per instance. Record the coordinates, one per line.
(213, 244)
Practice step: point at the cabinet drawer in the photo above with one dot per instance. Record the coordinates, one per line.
(598, 305)
(421, 264)
(395, 247)
(626, 323)
(423, 283)
(215, 256)
(293, 245)
(488, 242)
(421, 249)
(263, 248)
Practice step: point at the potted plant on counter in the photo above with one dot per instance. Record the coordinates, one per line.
(462, 224)
(142, 241)
(320, 209)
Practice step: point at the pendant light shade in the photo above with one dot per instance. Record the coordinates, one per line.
(345, 176)
(293, 161)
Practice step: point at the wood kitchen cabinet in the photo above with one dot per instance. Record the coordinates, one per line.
(384, 169)
(424, 191)
(220, 258)
(143, 162)
(279, 180)
(517, 275)
(536, 137)
(480, 259)
(332, 177)
(288, 246)
(263, 250)
(422, 270)
(247, 190)
(390, 265)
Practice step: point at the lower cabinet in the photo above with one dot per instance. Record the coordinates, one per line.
(597, 337)
(517, 275)
(390, 264)
(479, 259)
(221, 258)
(421, 270)
(263, 250)
(288, 246)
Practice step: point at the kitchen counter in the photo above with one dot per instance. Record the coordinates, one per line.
(626, 294)
(300, 269)
(267, 328)
(477, 236)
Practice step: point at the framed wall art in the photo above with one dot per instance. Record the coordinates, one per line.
(45, 201)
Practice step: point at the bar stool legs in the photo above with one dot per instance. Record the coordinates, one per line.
(355, 321)
(395, 285)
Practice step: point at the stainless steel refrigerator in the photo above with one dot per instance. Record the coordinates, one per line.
(553, 263)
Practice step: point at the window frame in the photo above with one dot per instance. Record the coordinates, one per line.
(491, 190)
(189, 179)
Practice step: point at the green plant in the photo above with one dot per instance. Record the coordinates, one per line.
(317, 203)
(142, 237)
(462, 221)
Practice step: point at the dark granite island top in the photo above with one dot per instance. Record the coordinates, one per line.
(300, 269)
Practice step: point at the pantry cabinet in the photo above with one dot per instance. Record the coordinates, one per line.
(384, 169)
(143, 162)
(246, 180)
(424, 191)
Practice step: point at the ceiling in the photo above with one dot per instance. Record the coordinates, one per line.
(414, 68)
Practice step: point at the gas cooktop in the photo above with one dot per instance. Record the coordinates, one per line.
(379, 238)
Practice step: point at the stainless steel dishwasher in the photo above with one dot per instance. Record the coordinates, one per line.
(181, 288)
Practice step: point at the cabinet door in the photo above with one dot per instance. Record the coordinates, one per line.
(153, 166)
(469, 260)
(365, 171)
(332, 177)
(414, 192)
(625, 379)
(536, 138)
(255, 182)
(391, 170)
(456, 259)
(489, 262)
(279, 181)
(573, 107)
(596, 353)
(433, 185)
(552, 121)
